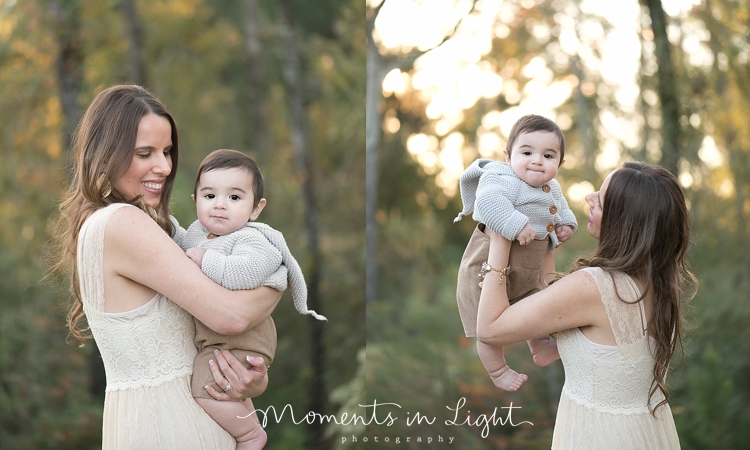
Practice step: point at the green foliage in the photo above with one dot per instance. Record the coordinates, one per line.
(193, 53)
(417, 356)
(44, 391)
(349, 396)
(420, 360)
(711, 385)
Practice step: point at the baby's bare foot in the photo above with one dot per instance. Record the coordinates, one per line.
(508, 379)
(544, 351)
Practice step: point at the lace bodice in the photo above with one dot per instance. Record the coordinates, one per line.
(618, 384)
(147, 346)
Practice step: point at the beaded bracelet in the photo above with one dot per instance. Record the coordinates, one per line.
(488, 268)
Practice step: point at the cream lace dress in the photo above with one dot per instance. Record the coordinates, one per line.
(604, 399)
(148, 357)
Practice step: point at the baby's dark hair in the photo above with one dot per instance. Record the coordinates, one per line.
(530, 123)
(232, 159)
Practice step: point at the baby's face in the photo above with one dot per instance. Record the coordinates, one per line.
(535, 157)
(224, 200)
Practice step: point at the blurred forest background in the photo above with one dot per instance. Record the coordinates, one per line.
(666, 82)
(280, 80)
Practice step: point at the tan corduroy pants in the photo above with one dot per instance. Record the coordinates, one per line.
(525, 265)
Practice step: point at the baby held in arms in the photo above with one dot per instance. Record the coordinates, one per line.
(238, 253)
(521, 200)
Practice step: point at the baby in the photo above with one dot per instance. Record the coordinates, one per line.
(522, 201)
(237, 253)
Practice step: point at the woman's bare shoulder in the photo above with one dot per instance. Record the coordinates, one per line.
(126, 210)
(580, 281)
(588, 273)
(577, 289)
(122, 219)
(131, 231)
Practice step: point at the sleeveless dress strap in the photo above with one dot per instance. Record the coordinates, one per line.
(626, 317)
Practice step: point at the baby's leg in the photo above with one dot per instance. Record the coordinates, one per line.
(239, 420)
(544, 350)
(502, 376)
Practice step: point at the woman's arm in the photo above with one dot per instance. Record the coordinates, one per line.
(571, 302)
(143, 252)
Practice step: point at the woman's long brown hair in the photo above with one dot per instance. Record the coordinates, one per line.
(104, 145)
(645, 233)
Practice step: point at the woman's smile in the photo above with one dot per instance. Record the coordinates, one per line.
(153, 186)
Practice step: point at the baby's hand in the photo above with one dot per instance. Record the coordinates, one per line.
(196, 255)
(526, 235)
(564, 233)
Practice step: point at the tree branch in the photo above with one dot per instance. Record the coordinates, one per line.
(406, 62)
(377, 68)
(371, 15)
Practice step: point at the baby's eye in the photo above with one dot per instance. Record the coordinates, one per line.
(209, 196)
(526, 153)
(234, 197)
(548, 156)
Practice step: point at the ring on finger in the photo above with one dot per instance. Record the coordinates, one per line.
(229, 386)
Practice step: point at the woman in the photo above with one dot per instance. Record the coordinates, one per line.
(136, 287)
(617, 314)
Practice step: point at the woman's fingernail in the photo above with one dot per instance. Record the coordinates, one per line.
(211, 362)
(216, 352)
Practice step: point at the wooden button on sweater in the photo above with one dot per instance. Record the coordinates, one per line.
(546, 187)
(553, 209)
(551, 227)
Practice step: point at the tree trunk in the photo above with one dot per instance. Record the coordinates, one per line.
(667, 90)
(258, 137)
(645, 108)
(377, 68)
(295, 96)
(373, 121)
(69, 67)
(585, 130)
(729, 133)
(66, 14)
(136, 72)
(737, 165)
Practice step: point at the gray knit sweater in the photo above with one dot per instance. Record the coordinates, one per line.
(250, 257)
(505, 203)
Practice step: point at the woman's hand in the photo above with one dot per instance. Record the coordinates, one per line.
(243, 383)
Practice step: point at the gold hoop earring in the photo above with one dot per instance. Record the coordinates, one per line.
(103, 186)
